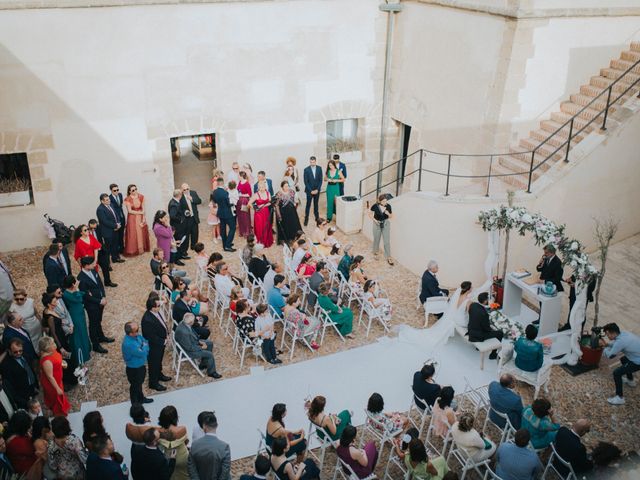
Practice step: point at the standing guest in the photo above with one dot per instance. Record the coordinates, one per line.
(54, 268)
(261, 467)
(345, 263)
(334, 179)
(265, 329)
(189, 204)
(155, 330)
(135, 350)
(94, 303)
(361, 460)
(18, 379)
(100, 464)
(276, 429)
(109, 226)
(32, 320)
(67, 455)
(343, 171)
(538, 420)
(20, 451)
(164, 235)
(286, 214)
(173, 438)
(234, 196)
(86, 243)
(117, 203)
(156, 465)
(51, 365)
(6, 288)
(629, 345)
(62, 340)
(134, 431)
(514, 461)
(214, 221)
(333, 424)
(61, 309)
(234, 174)
(293, 173)
(479, 324)
(467, 437)
(210, 457)
(136, 240)
(381, 215)
(195, 347)
(104, 259)
(248, 169)
(242, 209)
(260, 201)
(34, 408)
(74, 300)
(177, 221)
(430, 285)
(529, 353)
(343, 317)
(569, 446)
(418, 464)
(312, 186)
(550, 267)
(63, 258)
(425, 389)
(504, 400)
(15, 329)
(283, 468)
(227, 220)
(93, 426)
(41, 436)
(274, 296)
(262, 177)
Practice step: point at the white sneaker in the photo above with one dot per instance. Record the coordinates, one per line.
(630, 383)
(616, 400)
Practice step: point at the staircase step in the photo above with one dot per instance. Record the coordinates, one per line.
(584, 100)
(624, 65)
(629, 78)
(558, 140)
(545, 150)
(604, 82)
(517, 181)
(578, 123)
(573, 109)
(522, 163)
(635, 46)
(630, 56)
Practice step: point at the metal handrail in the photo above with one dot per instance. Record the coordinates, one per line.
(533, 167)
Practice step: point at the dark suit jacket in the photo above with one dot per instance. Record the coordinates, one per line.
(195, 201)
(570, 448)
(65, 253)
(107, 221)
(29, 351)
(427, 392)
(221, 198)
(188, 339)
(258, 267)
(478, 322)
(53, 272)
(16, 381)
(269, 187)
(430, 287)
(153, 331)
(175, 214)
(94, 291)
(311, 182)
(343, 168)
(117, 207)
(551, 271)
(179, 309)
(155, 466)
(101, 469)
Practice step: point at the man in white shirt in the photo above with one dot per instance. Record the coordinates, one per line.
(224, 282)
(300, 252)
(265, 329)
(234, 173)
(267, 282)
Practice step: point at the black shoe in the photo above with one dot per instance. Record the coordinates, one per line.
(111, 284)
(147, 400)
(494, 355)
(181, 263)
(111, 269)
(158, 387)
(215, 375)
(99, 349)
(229, 249)
(306, 222)
(185, 257)
(107, 340)
(164, 378)
(119, 260)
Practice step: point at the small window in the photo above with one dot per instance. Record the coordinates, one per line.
(15, 180)
(342, 136)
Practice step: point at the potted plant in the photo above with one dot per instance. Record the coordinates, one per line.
(14, 191)
(604, 231)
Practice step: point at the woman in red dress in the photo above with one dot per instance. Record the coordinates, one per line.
(87, 245)
(51, 365)
(261, 201)
(20, 450)
(242, 212)
(136, 236)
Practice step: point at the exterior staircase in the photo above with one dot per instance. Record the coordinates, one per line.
(518, 162)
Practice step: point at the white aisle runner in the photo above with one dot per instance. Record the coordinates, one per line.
(347, 379)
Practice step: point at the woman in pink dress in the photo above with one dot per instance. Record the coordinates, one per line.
(242, 211)
(261, 201)
(163, 233)
(136, 235)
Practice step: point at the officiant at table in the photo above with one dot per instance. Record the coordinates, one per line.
(550, 267)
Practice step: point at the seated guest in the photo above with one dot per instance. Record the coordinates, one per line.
(275, 297)
(185, 305)
(248, 249)
(224, 281)
(199, 305)
(430, 285)
(261, 467)
(570, 447)
(158, 259)
(20, 450)
(236, 295)
(212, 264)
(357, 278)
(442, 414)
(100, 464)
(67, 455)
(276, 429)
(381, 305)
(418, 463)
(343, 317)
(303, 324)
(157, 466)
(529, 353)
(345, 263)
(504, 400)
(334, 256)
(401, 444)
(328, 242)
(333, 424)
(283, 468)
(515, 461)
(246, 323)
(196, 348)
(267, 282)
(301, 250)
(164, 281)
(361, 460)
(425, 389)
(391, 421)
(629, 345)
(265, 329)
(318, 234)
(306, 267)
(479, 324)
(537, 419)
(18, 378)
(467, 437)
(258, 265)
(319, 276)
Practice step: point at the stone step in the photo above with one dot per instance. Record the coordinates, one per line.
(573, 109)
(517, 181)
(518, 166)
(629, 78)
(521, 162)
(578, 123)
(635, 46)
(604, 82)
(558, 140)
(624, 65)
(584, 100)
(630, 56)
(545, 150)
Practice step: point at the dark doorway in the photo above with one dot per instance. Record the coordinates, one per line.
(405, 134)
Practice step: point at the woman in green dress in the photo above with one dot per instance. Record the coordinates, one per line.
(420, 466)
(341, 316)
(333, 424)
(73, 299)
(334, 178)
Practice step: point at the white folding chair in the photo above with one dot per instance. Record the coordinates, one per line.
(466, 462)
(434, 305)
(292, 330)
(242, 344)
(477, 397)
(506, 433)
(373, 313)
(570, 475)
(322, 437)
(423, 413)
(201, 277)
(394, 462)
(346, 472)
(445, 440)
(491, 475)
(379, 430)
(324, 317)
(221, 303)
(182, 357)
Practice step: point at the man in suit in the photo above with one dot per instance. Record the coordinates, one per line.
(262, 177)
(155, 330)
(109, 227)
(312, 176)
(319, 276)
(13, 330)
(94, 302)
(210, 457)
(569, 446)
(63, 257)
(178, 223)
(550, 267)
(479, 328)
(430, 285)
(262, 465)
(189, 205)
(182, 307)
(343, 168)
(227, 219)
(100, 465)
(18, 378)
(55, 268)
(156, 261)
(156, 465)
(104, 260)
(117, 202)
(196, 348)
(504, 400)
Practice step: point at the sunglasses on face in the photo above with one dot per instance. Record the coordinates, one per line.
(236, 168)
(115, 190)
(134, 189)
(19, 299)
(84, 230)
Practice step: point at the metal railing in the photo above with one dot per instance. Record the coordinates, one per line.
(548, 148)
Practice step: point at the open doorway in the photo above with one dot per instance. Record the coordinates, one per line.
(405, 135)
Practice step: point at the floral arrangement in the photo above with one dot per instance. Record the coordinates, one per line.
(544, 232)
(511, 329)
(80, 373)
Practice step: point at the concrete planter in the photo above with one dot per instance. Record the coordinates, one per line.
(13, 199)
(349, 214)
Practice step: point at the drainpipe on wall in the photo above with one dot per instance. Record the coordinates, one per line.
(391, 9)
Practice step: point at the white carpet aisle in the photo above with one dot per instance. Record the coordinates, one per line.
(346, 379)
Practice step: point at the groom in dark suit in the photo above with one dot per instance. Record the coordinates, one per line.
(117, 201)
(479, 328)
(312, 176)
(550, 267)
(227, 220)
(109, 227)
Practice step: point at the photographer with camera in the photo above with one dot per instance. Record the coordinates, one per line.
(380, 214)
(629, 345)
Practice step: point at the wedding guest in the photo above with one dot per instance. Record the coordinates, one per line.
(155, 330)
(342, 317)
(334, 178)
(246, 322)
(242, 209)
(392, 422)
(287, 219)
(67, 455)
(261, 467)
(41, 436)
(6, 470)
(320, 275)
(262, 177)
(537, 419)
(420, 466)
(15, 329)
(51, 365)
(328, 242)
(345, 262)
(529, 353)
(189, 205)
(55, 268)
(134, 431)
(258, 265)
(157, 466)
(381, 215)
(103, 256)
(196, 302)
(306, 267)
(227, 220)
(430, 285)
(92, 427)
(504, 400)
(301, 250)
(274, 296)
(442, 414)
(236, 296)
(320, 232)
(293, 172)
(334, 255)
(135, 350)
(480, 325)
(234, 174)
(212, 265)
(20, 451)
(343, 170)
(357, 277)
(210, 457)
(18, 378)
(34, 409)
(117, 203)
(268, 281)
(155, 265)
(247, 251)
(195, 347)
(467, 437)
(136, 240)
(32, 319)
(164, 236)
(172, 438)
(260, 201)
(568, 444)
(304, 325)
(629, 345)
(550, 267)
(62, 340)
(361, 460)
(234, 196)
(401, 444)
(225, 281)
(283, 468)
(265, 329)
(516, 461)
(100, 464)
(381, 305)
(333, 424)
(214, 221)
(164, 280)
(425, 389)
(177, 221)
(312, 186)
(94, 303)
(86, 245)
(276, 429)
(109, 225)
(248, 169)
(74, 300)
